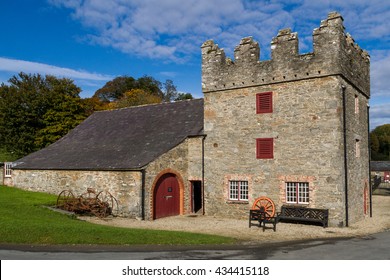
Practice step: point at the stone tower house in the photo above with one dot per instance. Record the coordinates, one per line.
(293, 128)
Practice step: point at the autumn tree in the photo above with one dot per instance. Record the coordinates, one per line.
(150, 89)
(116, 88)
(35, 111)
(136, 97)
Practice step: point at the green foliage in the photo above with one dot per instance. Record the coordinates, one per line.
(6, 156)
(116, 89)
(24, 220)
(184, 96)
(35, 111)
(135, 97)
(380, 143)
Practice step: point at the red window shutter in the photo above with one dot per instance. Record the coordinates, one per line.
(264, 102)
(264, 148)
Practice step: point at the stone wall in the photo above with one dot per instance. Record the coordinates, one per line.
(358, 152)
(1, 173)
(335, 52)
(185, 161)
(125, 186)
(306, 123)
(306, 126)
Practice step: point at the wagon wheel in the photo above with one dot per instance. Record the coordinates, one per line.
(108, 202)
(66, 200)
(265, 204)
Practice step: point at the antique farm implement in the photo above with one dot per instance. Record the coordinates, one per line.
(101, 204)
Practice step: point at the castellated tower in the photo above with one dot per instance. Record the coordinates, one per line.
(293, 128)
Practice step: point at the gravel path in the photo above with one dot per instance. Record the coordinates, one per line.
(239, 228)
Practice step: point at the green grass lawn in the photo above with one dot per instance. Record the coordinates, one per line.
(25, 220)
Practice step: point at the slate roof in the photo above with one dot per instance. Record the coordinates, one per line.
(123, 139)
(380, 165)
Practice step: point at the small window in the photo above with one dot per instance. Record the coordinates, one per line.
(238, 190)
(264, 102)
(357, 148)
(265, 148)
(7, 169)
(356, 105)
(297, 192)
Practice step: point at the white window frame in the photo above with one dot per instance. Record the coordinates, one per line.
(297, 192)
(356, 104)
(8, 169)
(238, 190)
(357, 148)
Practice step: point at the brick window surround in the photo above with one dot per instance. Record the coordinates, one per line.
(238, 190)
(264, 103)
(297, 192)
(246, 188)
(264, 148)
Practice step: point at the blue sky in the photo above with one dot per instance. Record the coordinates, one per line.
(94, 41)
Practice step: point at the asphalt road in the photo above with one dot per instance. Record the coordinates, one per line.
(371, 247)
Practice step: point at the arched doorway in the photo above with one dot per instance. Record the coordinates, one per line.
(166, 197)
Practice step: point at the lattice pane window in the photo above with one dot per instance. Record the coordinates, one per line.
(243, 190)
(7, 169)
(303, 192)
(297, 192)
(238, 190)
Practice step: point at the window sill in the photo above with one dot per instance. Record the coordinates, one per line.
(237, 202)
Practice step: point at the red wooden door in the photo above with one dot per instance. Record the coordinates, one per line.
(167, 197)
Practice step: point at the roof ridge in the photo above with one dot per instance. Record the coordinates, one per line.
(150, 105)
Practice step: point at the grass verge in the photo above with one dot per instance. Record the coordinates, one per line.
(24, 220)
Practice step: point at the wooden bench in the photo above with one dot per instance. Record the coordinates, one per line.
(303, 214)
(262, 218)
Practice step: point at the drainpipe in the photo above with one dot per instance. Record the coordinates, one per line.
(143, 173)
(369, 158)
(345, 156)
(203, 204)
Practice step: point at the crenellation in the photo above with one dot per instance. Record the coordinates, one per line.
(334, 53)
(284, 45)
(247, 51)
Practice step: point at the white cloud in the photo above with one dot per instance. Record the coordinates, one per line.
(380, 71)
(379, 115)
(175, 29)
(16, 66)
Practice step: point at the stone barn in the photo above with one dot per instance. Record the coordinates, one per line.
(148, 157)
(293, 128)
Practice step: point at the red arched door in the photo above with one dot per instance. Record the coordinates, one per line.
(166, 197)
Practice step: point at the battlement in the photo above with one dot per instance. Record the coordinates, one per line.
(334, 53)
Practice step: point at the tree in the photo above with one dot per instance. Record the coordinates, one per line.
(115, 89)
(136, 97)
(35, 111)
(380, 142)
(184, 96)
(169, 91)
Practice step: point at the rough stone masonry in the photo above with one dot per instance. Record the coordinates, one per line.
(316, 126)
